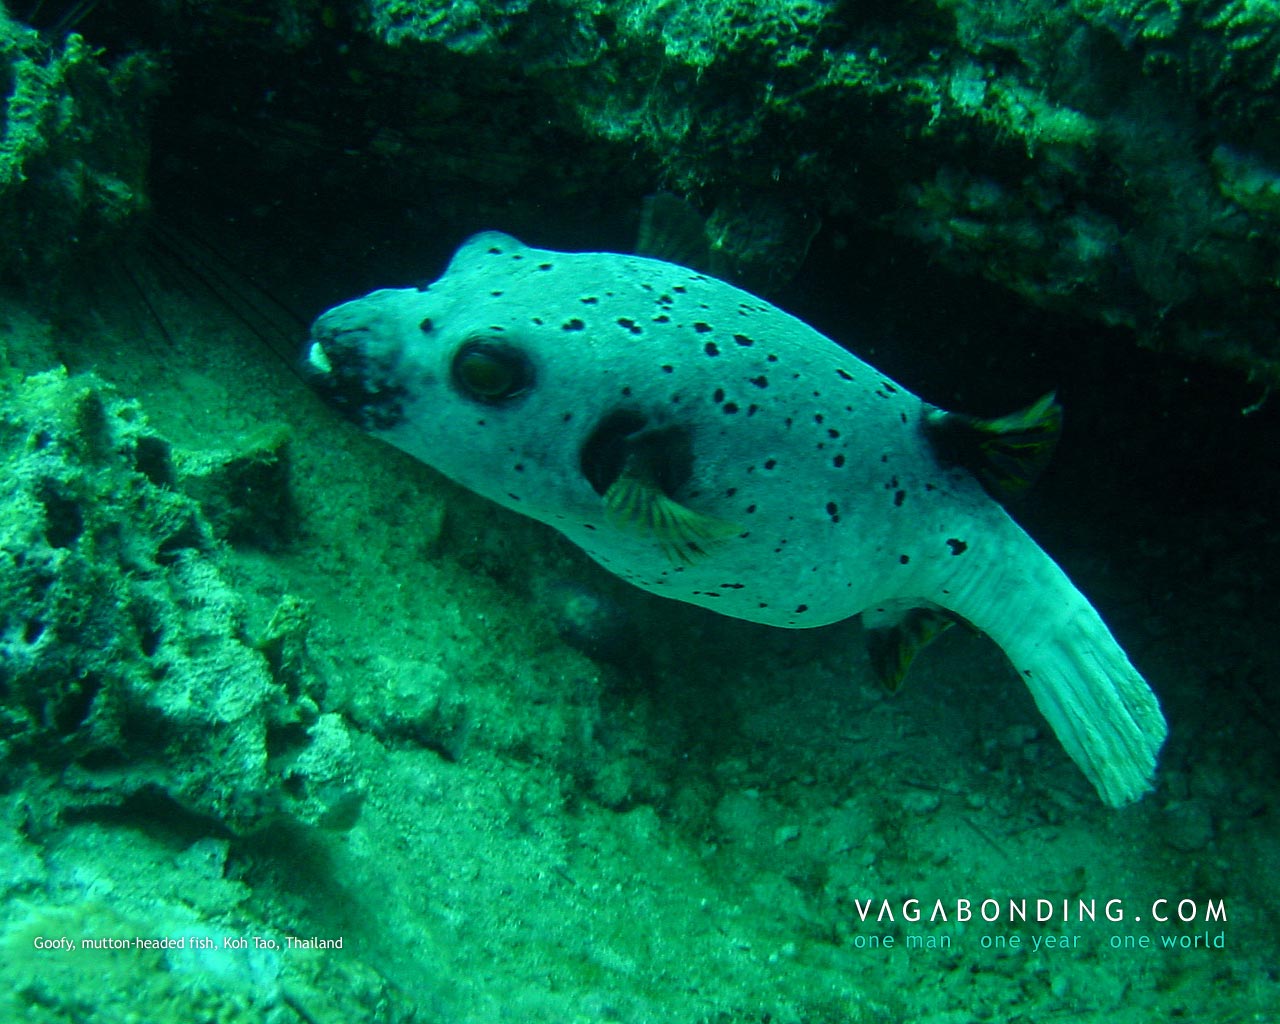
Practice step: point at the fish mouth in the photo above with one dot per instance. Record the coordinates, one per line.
(315, 362)
(355, 383)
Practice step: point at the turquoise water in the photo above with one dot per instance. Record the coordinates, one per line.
(294, 729)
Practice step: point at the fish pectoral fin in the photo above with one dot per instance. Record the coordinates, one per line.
(637, 503)
(1006, 453)
(893, 646)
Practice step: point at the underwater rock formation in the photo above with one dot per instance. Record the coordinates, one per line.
(1112, 159)
(73, 146)
(1056, 149)
(124, 659)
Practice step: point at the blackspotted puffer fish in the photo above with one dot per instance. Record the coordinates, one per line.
(708, 447)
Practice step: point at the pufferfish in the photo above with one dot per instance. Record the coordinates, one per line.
(709, 447)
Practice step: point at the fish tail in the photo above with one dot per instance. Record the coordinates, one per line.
(1102, 710)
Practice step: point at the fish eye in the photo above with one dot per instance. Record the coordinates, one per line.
(491, 372)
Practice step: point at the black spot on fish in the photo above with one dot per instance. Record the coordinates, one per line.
(844, 374)
(751, 509)
(668, 368)
(731, 492)
(832, 433)
(903, 559)
(730, 407)
(761, 382)
(518, 467)
(731, 586)
(801, 608)
(626, 391)
(425, 325)
(544, 266)
(771, 358)
(743, 340)
(958, 547)
(588, 300)
(495, 295)
(833, 510)
(572, 325)
(679, 289)
(665, 300)
(630, 325)
(903, 416)
(899, 497)
(493, 250)
(537, 320)
(888, 387)
(817, 417)
(770, 463)
(711, 349)
(752, 410)
(513, 497)
(719, 395)
(565, 417)
(664, 319)
(838, 461)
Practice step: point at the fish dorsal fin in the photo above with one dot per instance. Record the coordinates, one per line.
(672, 230)
(893, 645)
(636, 502)
(1006, 453)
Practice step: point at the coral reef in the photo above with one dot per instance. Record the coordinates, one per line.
(124, 659)
(1076, 129)
(273, 682)
(73, 147)
(1050, 148)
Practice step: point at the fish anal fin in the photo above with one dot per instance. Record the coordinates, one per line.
(893, 645)
(1006, 453)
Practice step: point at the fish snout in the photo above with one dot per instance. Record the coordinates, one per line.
(354, 374)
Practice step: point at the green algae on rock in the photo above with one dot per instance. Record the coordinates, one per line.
(122, 641)
(73, 146)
